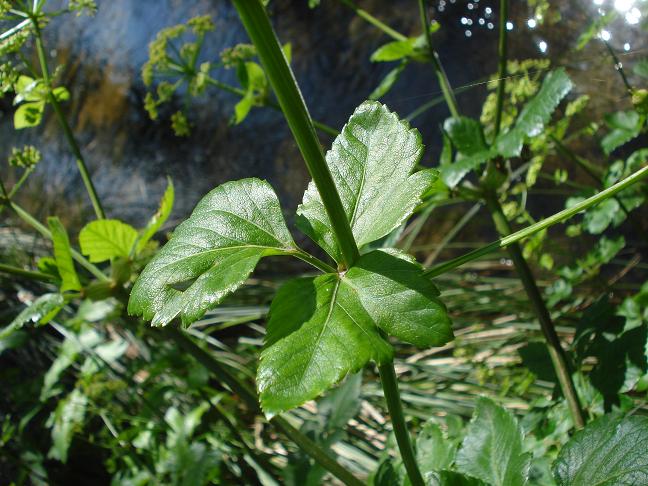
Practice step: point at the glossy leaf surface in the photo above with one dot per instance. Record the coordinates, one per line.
(212, 253)
(609, 451)
(492, 449)
(371, 162)
(159, 218)
(318, 332)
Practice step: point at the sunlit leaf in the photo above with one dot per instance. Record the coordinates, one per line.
(63, 255)
(212, 253)
(624, 125)
(492, 450)
(104, 239)
(371, 162)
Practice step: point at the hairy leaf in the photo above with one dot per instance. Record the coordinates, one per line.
(318, 333)
(535, 114)
(371, 162)
(63, 255)
(399, 299)
(492, 450)
(609, 451)
(212, 253)
(104, 239)
(159, 218)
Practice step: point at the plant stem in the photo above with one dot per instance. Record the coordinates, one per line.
(43, 230)
(285, 86)
(539, 226)
(314, 261)
(251, 400)
(43, 277)
(618, 65)
(69, 136)
(503, 58)
(450, 235)
(556, 352)
(257, 24)
(436, 63)
(363, 14)
(395, 407)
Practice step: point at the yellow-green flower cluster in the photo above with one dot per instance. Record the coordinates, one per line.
(26, 158)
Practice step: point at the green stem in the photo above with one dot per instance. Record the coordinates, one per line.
(556, 352)
(363, 14)
(312, 260)
(539, 226)
(15, 187)
(446, 89)
(395, 407)
(503, 58)
(69, 136)
(257, 24)
(42, 277)
(251, 400)
(43, 230)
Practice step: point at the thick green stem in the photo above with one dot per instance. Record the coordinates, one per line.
(69, 136)
(251, 400)
(395, 407)
(363, 14)
(539, 226)
(257, 24)
(503, 58)
(446, 89)
(556, 352)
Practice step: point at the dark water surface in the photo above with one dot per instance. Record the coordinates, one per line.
(129, 155)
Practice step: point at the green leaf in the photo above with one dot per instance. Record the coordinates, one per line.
(452, 478)
(609, 451)
(65, 420)
(29, 114)
(255, 83)
(394, 51)
(492, 449)
(318, 332)
(63, 255)
(535, 114)
(61, 93)
(625, 125)
(371, 162)
(400, 300)
(434, 452)
(388, 82)
(452, 174)
(342, 404)
(159, 218)
(466, 135)
(42, 310)
(641, 68)
(104, 239)
(212, 253)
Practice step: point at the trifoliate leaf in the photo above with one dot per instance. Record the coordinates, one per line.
(212, 253)
(399, 299)
(371, 162)
(63, 255)
(492, 450)
(609, 451)
(318, 333)
(104, 239)
(159, 218)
